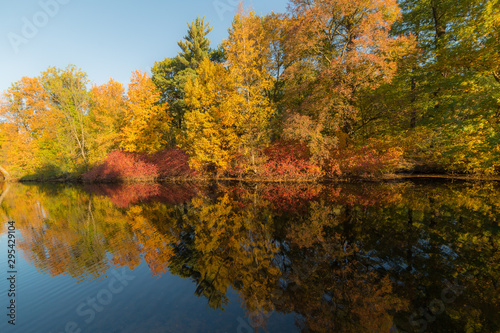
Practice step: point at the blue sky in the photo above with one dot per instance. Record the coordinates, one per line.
(106, 38)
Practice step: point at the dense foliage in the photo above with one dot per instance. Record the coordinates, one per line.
(359, 87)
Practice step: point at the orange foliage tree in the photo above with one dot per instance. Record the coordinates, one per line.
(336, 49)
(29, 135)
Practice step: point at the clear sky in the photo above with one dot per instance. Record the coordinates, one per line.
(105, 38)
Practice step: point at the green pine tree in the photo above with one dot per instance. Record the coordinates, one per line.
(171, 74)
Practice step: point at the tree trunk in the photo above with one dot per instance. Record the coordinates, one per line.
(5, 173)
(413, 114)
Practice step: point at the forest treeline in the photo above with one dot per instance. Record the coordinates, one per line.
(331, 88)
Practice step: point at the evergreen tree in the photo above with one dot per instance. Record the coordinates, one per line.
(171, 74)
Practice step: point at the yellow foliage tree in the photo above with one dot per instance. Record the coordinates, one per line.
(145, 121)
(210, 137)
(249, 62)
(229, 113)
(106, 117)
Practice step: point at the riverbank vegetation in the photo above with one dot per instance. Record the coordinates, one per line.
(329, 89)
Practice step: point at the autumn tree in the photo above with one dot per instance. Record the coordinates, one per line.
(337, 49)
(107, 111)
(275, 33)
(210, 137)
(229, 112)
(29, 128)
(69, 102)
(249, 61)
(146, 121)
(452, 85)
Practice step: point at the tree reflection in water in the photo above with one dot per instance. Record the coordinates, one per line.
(348, 258)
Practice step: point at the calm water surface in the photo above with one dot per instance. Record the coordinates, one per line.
(397, 257)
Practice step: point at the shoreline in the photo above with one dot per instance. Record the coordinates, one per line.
(382, 178)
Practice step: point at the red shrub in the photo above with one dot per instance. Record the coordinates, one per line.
(289, 160)
(124, 166)
(172, 162)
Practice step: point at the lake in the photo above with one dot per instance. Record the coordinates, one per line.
(406, 256)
